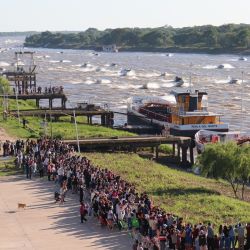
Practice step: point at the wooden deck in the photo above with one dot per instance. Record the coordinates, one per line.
(37, 97)
(136, 140)
(106, 116)
(132, 143)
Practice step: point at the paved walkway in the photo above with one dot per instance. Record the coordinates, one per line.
(46, 225)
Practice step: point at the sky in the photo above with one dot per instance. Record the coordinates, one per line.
(78, 15)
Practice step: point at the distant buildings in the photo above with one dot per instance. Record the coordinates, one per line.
(109, 48)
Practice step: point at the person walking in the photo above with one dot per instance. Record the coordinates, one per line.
(83, 212)
(210, 237)
(241, 236)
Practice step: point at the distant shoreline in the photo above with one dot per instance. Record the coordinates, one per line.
(211, 51)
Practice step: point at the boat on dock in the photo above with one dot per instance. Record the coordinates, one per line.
(204, 137)
(184, 117)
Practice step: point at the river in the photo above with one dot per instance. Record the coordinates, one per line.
(100, 81)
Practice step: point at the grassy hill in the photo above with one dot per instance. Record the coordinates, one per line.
(195, 198)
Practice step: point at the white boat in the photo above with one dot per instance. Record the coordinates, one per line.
(202, 137)
(99, 81)
(85, 65)
(221, 66)
(99, 69)
(169, 54)
(187, 115)
(110, 48)
(233, 81)
(127, 72)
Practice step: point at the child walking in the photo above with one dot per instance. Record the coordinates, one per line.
(83, 212)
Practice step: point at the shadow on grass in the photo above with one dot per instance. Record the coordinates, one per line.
(181, 191)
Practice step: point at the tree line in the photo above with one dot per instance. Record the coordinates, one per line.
(226, 36)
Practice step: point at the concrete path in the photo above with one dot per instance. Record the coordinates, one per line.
(46, 225)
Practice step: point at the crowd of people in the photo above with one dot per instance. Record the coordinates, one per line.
(38, 90)
(116, 204)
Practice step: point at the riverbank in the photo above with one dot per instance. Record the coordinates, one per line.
(227, 38)
(189, 196)
(187, 50)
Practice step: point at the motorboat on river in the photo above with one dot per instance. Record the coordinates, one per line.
(242, 58)
(221, 66)
(184, 117)
(126, 72)
(178, 81)
(233, 81)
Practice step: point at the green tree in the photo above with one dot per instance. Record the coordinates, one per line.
(211, 36)
(4, 85)
(221, 160)
(244, 167)
(243, 38)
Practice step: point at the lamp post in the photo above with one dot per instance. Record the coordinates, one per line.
(17, 105)
(242, 80)
(77, 137)
(76, 128)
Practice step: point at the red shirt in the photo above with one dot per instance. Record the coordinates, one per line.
(82, 209)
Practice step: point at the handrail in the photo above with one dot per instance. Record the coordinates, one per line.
(156, 115)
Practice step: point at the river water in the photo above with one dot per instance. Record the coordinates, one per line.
(101, 82)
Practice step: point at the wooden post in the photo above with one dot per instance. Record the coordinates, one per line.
(103, 120)
(37, 102)
(191, 151)
(50, 103)
(179, 151)
(184, 148)
(173, 152)
(30, 81)
(156, 152)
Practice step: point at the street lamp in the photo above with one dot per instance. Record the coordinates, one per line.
(76, 128)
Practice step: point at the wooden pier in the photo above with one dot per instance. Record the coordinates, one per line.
(133, 143)
(23, 76)
(37, 97)
(107, 117)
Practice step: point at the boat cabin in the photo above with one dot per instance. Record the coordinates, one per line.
(191, 108)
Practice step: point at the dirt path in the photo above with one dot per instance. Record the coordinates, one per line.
(46, 225)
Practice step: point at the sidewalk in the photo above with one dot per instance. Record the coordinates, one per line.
(46, 225)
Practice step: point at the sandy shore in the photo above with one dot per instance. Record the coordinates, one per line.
(46, 225)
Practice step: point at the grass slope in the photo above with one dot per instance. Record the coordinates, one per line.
(195, 198)
(7, 167)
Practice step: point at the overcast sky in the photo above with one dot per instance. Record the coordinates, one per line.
(40, 15)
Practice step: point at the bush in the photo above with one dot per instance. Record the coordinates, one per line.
(164, 148)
